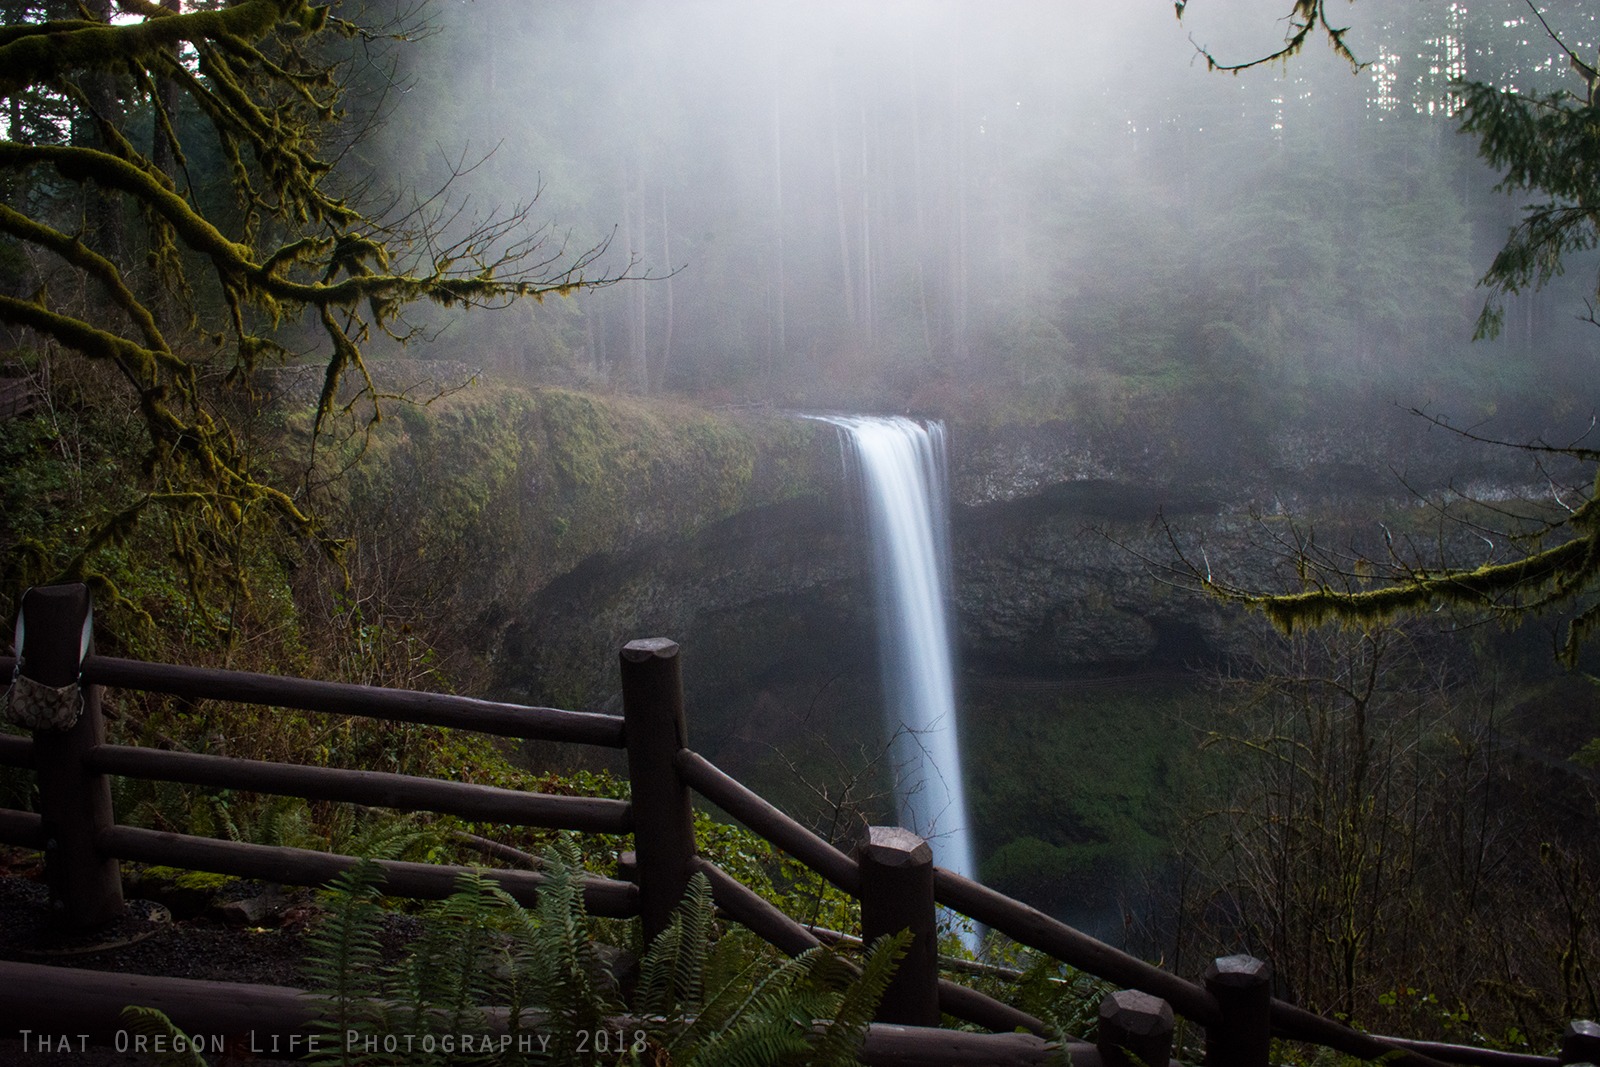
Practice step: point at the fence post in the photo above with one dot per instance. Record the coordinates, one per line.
(654, 731)
(1135, 1030)
(1242, 986)
(74, 803)
(1580, 1043)
(897, 894)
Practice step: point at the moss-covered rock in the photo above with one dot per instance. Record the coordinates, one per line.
(184, 893)
(469, 508)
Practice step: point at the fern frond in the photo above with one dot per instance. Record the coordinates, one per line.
(343, 961)
(773, 996)
(757, 1042)
(1075, 1006)
(699, 921)
(391, 837)
(672, 975)
(445, 979)
(657, 989)
(562, 965)
(283, 821)
(223, 823)
(736, 963)
(717, 1014)
(519, 984)
(178, 1050)
(857, 1003)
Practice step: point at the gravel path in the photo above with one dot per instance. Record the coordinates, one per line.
(202, 946)
(199, 947)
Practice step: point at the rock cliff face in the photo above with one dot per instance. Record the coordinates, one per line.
(542, 529)
(1062, 550)
(1079, 655)
(1067, 544)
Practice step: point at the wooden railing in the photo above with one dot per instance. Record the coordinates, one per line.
(891, 873)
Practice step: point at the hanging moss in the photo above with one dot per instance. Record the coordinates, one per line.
(1548, 578)
(285, 244)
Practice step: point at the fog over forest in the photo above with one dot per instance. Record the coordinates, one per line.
(898, 205)
(1162, 325)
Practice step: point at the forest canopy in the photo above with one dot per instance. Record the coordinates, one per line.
(1545, 555)
(175, 203)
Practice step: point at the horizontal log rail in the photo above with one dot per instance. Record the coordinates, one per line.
(23, 829)
(1031, 927)
(755, 913)
(957, 964)
(262, 1019)
(1056, 939)
(764, 919)
(373, 788)
(750, 808)
(56, 1000)
(1469, 1056)
(343, 698)
(974, 1007)
(16, 751)
(300, 866)
(888, 1045)
(662, 771)
(1298, 1024)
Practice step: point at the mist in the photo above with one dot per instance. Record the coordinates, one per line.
(914, 206)
(1177, 320)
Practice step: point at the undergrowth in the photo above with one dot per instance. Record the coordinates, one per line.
(565, 992)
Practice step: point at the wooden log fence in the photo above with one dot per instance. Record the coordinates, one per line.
(892, 874)
(341, 698)
(897, 894)
(74, 801)
(755, 912)
(652, 711)
(301, 866)
(379, 789)
(1241, 986)
(753, 810)
(1135, 1029)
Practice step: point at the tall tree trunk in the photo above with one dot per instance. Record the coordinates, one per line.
(846, 273)
(868, 317)
(637, 373)
(166, 103)
(104, 208)
(777, 342)
(165, 108)
(958, 248)
(664, 356)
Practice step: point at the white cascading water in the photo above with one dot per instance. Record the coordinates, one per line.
(902, 468)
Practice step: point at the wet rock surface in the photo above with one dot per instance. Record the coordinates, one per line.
(1065, 543)
(1069, 556)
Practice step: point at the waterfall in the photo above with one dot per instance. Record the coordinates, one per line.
(902, 470)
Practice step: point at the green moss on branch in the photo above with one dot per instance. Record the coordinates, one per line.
(45, 52)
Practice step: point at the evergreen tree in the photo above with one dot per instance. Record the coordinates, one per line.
(1547, 145)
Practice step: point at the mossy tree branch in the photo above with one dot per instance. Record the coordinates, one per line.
(252, 81)
(1559, 568)
(1304, 18)
(35, 53)
(1548, 145)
